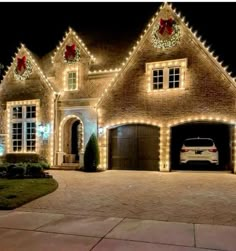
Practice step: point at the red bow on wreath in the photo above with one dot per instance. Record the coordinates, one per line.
(166, 25)
(70, 52)
(21, 64)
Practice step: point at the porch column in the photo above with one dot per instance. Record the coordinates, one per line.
(81, 158)
(103, 147)
(164, 149)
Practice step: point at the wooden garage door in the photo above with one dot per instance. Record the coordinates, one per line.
(134, 147)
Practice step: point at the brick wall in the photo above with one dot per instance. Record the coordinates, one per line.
(208, 92)
(32, 88)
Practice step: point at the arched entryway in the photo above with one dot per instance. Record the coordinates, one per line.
(71, 138)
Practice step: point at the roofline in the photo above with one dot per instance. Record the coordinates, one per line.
(140, 41)
(78, 40)
(33, 61)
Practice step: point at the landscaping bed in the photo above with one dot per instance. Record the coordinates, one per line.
(22, 182)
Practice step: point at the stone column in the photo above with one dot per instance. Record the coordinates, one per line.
(165, 149)
(81, 159)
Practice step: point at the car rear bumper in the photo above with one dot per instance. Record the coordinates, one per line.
(190, 161)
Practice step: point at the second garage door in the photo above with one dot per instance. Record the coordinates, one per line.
(134, 147)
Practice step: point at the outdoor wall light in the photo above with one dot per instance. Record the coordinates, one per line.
(100, 131)
(44, 130)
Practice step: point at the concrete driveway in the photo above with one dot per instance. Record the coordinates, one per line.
(190, 197)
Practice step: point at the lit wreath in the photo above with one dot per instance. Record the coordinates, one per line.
(71, 54)
(166, 34)
(23, 68)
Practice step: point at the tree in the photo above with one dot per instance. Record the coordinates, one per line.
(91, 155)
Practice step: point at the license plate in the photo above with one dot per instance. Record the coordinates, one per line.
(198, 152)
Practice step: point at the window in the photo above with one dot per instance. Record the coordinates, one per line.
(17, 112)
(166, 75)
(30, 112)
(174, 77)
(157, 79)
(72, 77)
(23, 128)
(17, 137)
(72, 80)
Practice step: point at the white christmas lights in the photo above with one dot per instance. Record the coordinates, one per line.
(77, 40)
(61, 127)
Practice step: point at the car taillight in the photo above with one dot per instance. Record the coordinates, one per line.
(183, 150)
(214, 150)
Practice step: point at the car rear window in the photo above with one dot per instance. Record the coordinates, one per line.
(198, 142)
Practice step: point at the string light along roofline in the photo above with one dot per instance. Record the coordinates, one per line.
(78, 40)
(130, 55)
(19, 49)
(142, 39)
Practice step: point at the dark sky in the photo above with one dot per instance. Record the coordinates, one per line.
(40, 26)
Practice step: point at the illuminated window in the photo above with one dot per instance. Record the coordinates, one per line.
(157, 79)
(72, 80)
(23, 128)
(174, 77)
(165, 75)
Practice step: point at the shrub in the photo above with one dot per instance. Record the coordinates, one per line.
(44, 165)
(91, 155)
(3, 170)
(16, 171)
(3, 167)
(16, 158)
(23, 170)
(35, 170)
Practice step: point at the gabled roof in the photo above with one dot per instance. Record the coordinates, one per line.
(23, 50)
(72, 34)
(143, 38)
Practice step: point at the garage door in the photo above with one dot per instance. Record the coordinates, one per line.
(134, 147)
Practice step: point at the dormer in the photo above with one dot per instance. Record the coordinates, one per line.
(71, 62)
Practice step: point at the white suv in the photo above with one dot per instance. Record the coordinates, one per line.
(199, 150)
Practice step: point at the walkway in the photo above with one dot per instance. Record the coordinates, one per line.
(29, 231)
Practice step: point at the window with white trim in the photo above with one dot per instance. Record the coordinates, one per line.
(72, 77)
(72, 80)
(166, 75)
(23, 128)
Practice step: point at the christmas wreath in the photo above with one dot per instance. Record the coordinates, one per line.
(23, 68)
(72, 54)
(165, 34)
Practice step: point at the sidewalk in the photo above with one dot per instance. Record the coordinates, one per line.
(33, 231)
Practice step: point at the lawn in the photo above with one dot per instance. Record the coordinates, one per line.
(16, 192)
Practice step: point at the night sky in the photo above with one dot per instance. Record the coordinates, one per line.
(40, 26)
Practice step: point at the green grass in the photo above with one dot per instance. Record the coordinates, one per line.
(16, 192)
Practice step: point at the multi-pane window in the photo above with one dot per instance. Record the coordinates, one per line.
(23, 128)
(17, 134)
(174, 77)
(71, 80)
(166, 75)
(30, 112)
(30, 136)
(157, 79)
(164, 78)
(17, 112)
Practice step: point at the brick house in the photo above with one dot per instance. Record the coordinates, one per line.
(169, 82)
